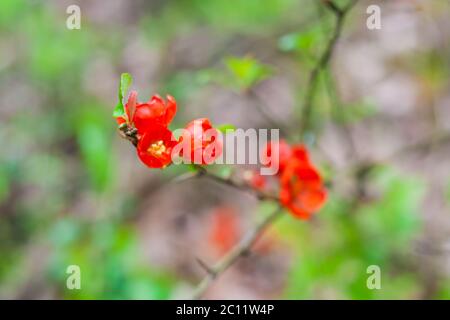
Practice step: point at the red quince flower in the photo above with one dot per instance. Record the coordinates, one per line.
(301, 186)
(155, 111)
(201, 142)
(284, 153)
(155, 146)
(144, 115)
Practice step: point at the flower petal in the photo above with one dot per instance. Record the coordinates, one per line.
(171, 108)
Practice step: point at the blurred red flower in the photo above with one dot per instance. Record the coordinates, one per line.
(155, 146)
(202, 142)
(224, 232)
(301, 187)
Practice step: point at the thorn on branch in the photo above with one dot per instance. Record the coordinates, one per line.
(206, 267)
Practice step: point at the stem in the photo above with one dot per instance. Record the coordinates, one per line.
(201, 171)
(323, 61)
(234, 254)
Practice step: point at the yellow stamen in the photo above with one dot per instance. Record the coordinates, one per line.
(157, 148)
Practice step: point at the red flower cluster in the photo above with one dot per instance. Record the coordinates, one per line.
(156, 142)
(301, 187)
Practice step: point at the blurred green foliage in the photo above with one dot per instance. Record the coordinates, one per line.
(119, 272)
(332, 255)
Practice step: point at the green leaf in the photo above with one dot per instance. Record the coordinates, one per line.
(119, 110)
(125, 83)
(226, 128)
(301, 42)
(297, 41)
(247, 71)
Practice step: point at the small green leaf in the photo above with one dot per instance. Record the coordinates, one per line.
(125, 83)
(226, 128)
(247, 71)
(296, 41)
(119, 110)
(300, 41)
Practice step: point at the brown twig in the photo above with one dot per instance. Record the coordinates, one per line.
(247, 241)
(201, 171)
(322, 63)
(234, 254)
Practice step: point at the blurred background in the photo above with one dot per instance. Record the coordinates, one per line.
(72, 192)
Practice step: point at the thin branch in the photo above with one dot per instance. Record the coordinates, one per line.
(234, 254)
(323, 61)
(201, 171)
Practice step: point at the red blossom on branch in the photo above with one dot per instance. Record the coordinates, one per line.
(201, 141)
(155, 146)
(146, 126)
(302, 190)
(301, 186)
(155, 111)
(144, 115)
